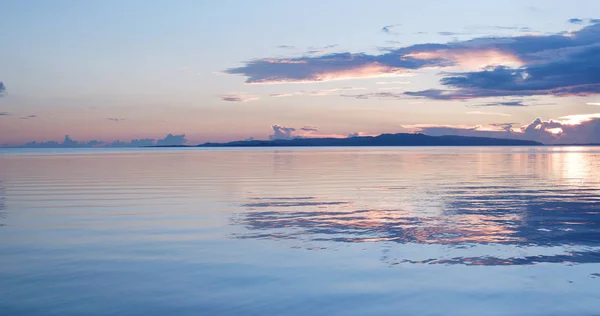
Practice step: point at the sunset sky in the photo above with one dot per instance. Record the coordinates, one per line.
(230, 70)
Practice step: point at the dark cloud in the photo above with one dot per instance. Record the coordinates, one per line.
(505, 126)
(5, 114)
(376, 95)
(2, 89)
(556, 64)
(574, 129)
(594, 21)
(133, 143)
(576, 73)
(309, 129)
(114, 119)
(286, 47)
(172, 140)
(282, 132)
(451, 33)
(575, 21)
(28, 117)
(238, 98)
(68, 142)
(504, 103)
(388, 28)
(328, 67)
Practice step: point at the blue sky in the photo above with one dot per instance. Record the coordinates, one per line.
(230, 70)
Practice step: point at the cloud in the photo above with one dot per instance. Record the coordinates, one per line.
(392, 82)
(133, 143)
(575, 21)
(5, 114)
(453, 33)
(571, 129)
(282, 132)
(309, 129)
(486, 113)
(388, 28)
(2, 89)
(391, 88)
(504, 103)
(358, 134)
(376, 95)
(562, 64)
(114, 119)
(285, 132)
(594, 21)
(554, 65)
(505, 126)
(28, 117)
(172, 140)
(316, 50)
(68, 142)
(593, 103)
(325, 92)
(286, 46)
(337, 66)
(238, 98)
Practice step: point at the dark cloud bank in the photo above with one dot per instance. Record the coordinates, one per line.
(563, 64)
(68, 142)
(577, 129)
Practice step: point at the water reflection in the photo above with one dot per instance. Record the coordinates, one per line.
(2, 203)
(544, 208)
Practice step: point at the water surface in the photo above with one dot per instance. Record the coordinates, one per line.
(300, 231)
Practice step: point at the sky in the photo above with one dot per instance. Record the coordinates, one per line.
(109, 72)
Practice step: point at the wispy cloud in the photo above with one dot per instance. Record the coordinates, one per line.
(593, 103)
(389, 29)
(238, 97)
(114, 119)
(487, 113)
(309, 129)
(2, 89)
(391, 88)
(286, 47)
(503, 103)
(443, 33)
(325, 92)
(5, 114)
(376, 95)
(28, 117)
(575, 21)
(392, 82)
(319, 50)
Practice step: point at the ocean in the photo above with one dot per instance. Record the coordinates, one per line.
(300, 231)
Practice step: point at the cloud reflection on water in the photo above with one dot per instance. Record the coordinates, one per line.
(544, 217)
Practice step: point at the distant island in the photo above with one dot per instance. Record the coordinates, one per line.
(401, 139)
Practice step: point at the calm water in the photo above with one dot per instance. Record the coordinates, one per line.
(328, 231)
